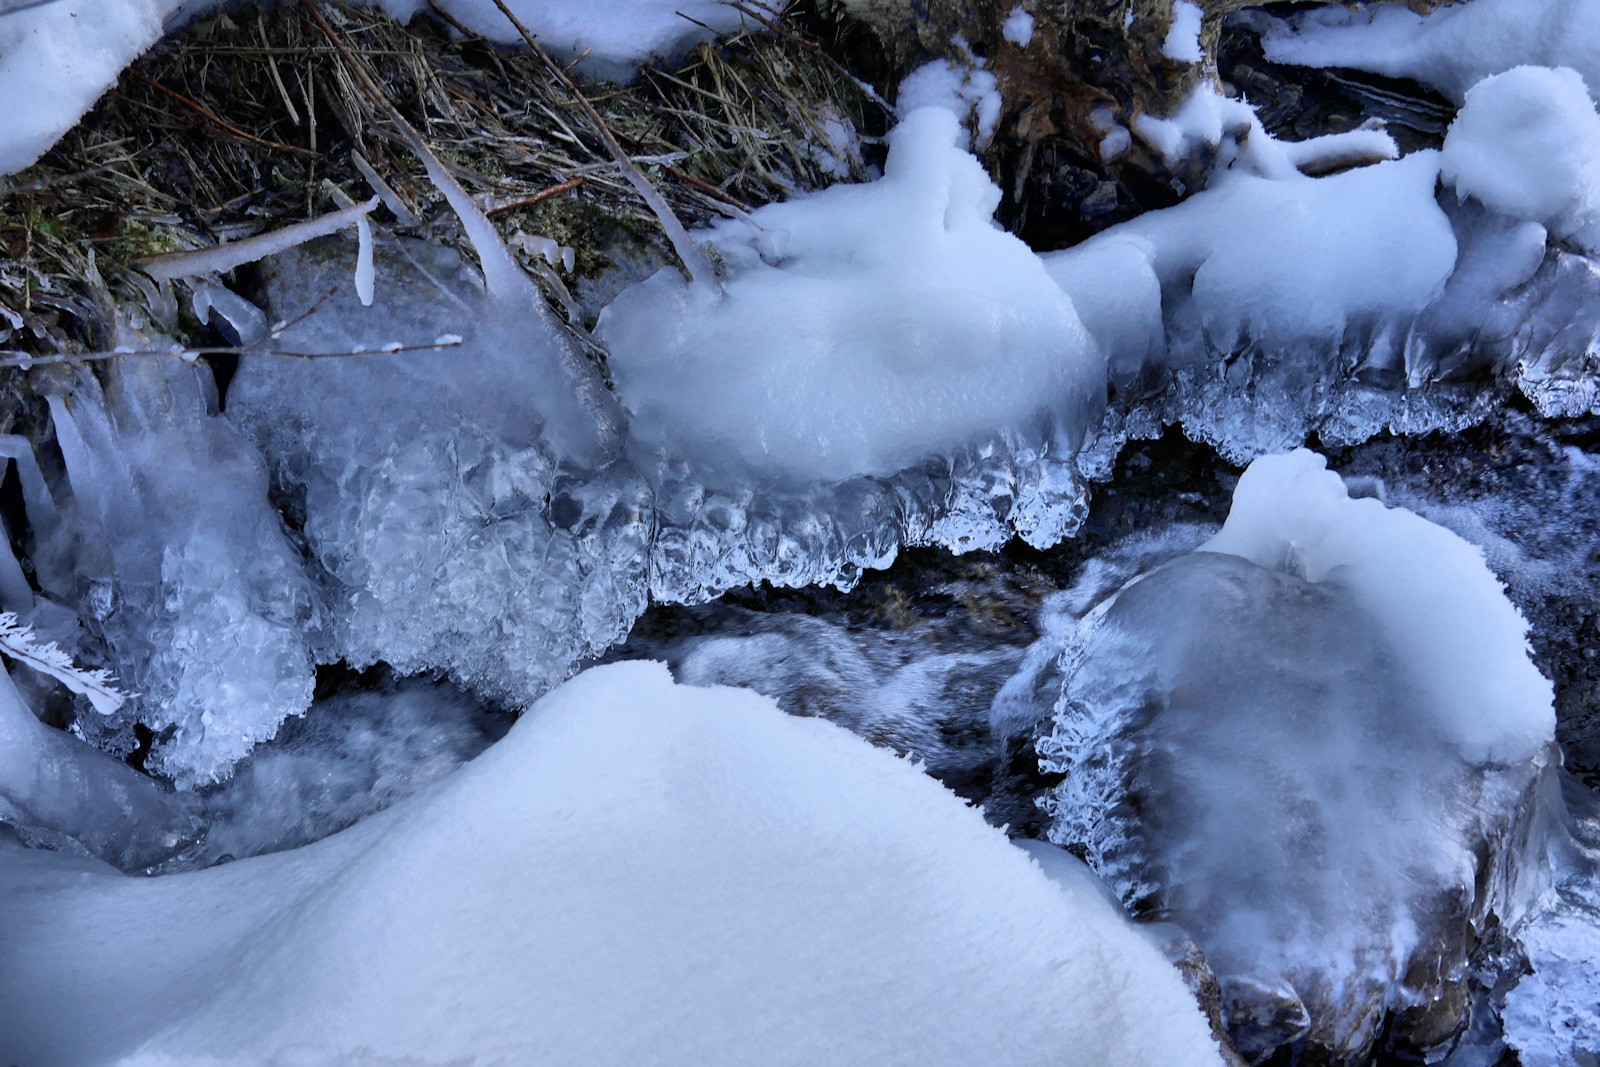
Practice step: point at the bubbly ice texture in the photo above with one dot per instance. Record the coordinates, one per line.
(740, 885)
(174, 557)
(1317, 742)
(1526, 144)
(1451, 48)
(465, 505)
(860, 329)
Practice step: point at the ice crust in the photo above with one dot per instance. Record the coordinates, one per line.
(782, 891)
(1451, 48)
(464, 505)
(1317, 742)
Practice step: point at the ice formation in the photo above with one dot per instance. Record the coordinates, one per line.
(173, 555)
(882, 366)
(464, 504)
(860, 329)
(1526, 144)
(1451, 48)
(61, 56)
(1318, 743)
(740, 884)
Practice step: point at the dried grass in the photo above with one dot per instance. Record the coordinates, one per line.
(251, 120)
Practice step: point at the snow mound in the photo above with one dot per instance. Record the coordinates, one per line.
(637, 872)
(1451, 48)
(861, 328)
(1317, 743)
(1527, 145)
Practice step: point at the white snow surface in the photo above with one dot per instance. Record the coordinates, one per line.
(1451, 48)
(862, 328)
(966, 90)
(1427, 593)
(1018, 27)
(1526, 144)
(62, 56)
(1276, 260)
(1183, 39)
(638, 872)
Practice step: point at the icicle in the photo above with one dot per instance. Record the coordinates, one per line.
(364, 268)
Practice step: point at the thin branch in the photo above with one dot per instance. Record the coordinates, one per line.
(537, 198)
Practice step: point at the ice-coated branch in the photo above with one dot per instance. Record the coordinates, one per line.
(21, 644)
(224, 258)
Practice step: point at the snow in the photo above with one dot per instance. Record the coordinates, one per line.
(62, 56)
(1330, 708)
(1183, 39)
(967, 91)
(637, 872)
(1018, 27)
(1273, 260)
(861, 328)
(1526, 144)
(1451, 48)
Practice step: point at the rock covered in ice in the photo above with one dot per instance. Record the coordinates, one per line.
(465, 503)
(177, 561)
(1318, 743)
(860, 329)
(738, 885)
(1527, 145)
(1451, 48)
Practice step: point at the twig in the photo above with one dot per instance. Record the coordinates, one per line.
(694, 261)
(537, 198)
(862, 87)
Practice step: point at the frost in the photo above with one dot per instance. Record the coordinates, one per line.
(783, 892)
(23, 645)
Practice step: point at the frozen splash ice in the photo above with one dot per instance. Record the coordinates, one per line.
(176, 560)
(465, 505)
